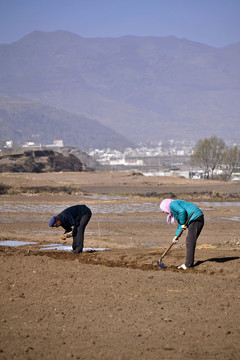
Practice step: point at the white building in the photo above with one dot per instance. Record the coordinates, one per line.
(9, 144)
(58, 143)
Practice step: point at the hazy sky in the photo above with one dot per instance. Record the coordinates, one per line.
(212, 22)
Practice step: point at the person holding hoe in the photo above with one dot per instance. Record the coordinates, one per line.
(73, 219)
(182, 210)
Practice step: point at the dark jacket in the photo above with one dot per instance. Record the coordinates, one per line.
(71, 217)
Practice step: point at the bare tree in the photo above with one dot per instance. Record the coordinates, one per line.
(208, 153)
(200, 155)
(231, 161)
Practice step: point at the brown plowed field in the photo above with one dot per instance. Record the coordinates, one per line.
(118, 304)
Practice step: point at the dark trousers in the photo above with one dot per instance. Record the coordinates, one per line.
(194, 230)
(78, 239)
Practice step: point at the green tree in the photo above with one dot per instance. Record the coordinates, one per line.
(208, 153)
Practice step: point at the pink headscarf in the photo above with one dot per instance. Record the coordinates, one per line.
(165, 207)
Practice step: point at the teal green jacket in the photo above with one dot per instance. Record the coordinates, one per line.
(181, 210)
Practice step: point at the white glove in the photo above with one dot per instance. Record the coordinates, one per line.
(175, 240)
(184, 227)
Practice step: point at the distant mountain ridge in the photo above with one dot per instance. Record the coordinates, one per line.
(22, 120)
(144, 88)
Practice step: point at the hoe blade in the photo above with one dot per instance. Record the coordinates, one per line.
(160, 264)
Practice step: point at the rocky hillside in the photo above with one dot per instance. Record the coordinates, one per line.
(37, 161)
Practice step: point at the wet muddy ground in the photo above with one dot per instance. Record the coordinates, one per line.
(117, 303)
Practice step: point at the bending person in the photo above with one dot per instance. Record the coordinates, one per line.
(75, 219)
(181, 210)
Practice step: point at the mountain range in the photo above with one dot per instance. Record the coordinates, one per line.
(24, 120)
(115, 92)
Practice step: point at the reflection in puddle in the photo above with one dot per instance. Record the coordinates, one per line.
(233, 218)
(104, 208)
(47, 247)
(107, 197)
(16, 243)
(149, 244)
(32, 208)
(47, 232)
(217, 203)
(27, 219)
(131, 220)
(68, 248)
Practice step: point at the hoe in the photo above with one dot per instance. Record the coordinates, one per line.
(159, 262)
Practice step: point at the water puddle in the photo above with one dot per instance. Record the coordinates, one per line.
(108, 197)
(28, 219)
(31, 208)
(104, 208)
(16, 243)
(234, 218)
(149, 244)
(131, 208)
(217, 203)
(130, 220)
(69, 248)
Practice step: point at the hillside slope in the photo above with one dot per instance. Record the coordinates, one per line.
(24, 120)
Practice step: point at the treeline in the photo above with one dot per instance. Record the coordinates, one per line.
(213, 153)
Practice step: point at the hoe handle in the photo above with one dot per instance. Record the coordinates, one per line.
(178, 236)
(165, 252)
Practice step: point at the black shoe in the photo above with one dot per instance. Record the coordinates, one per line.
(76, 251)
